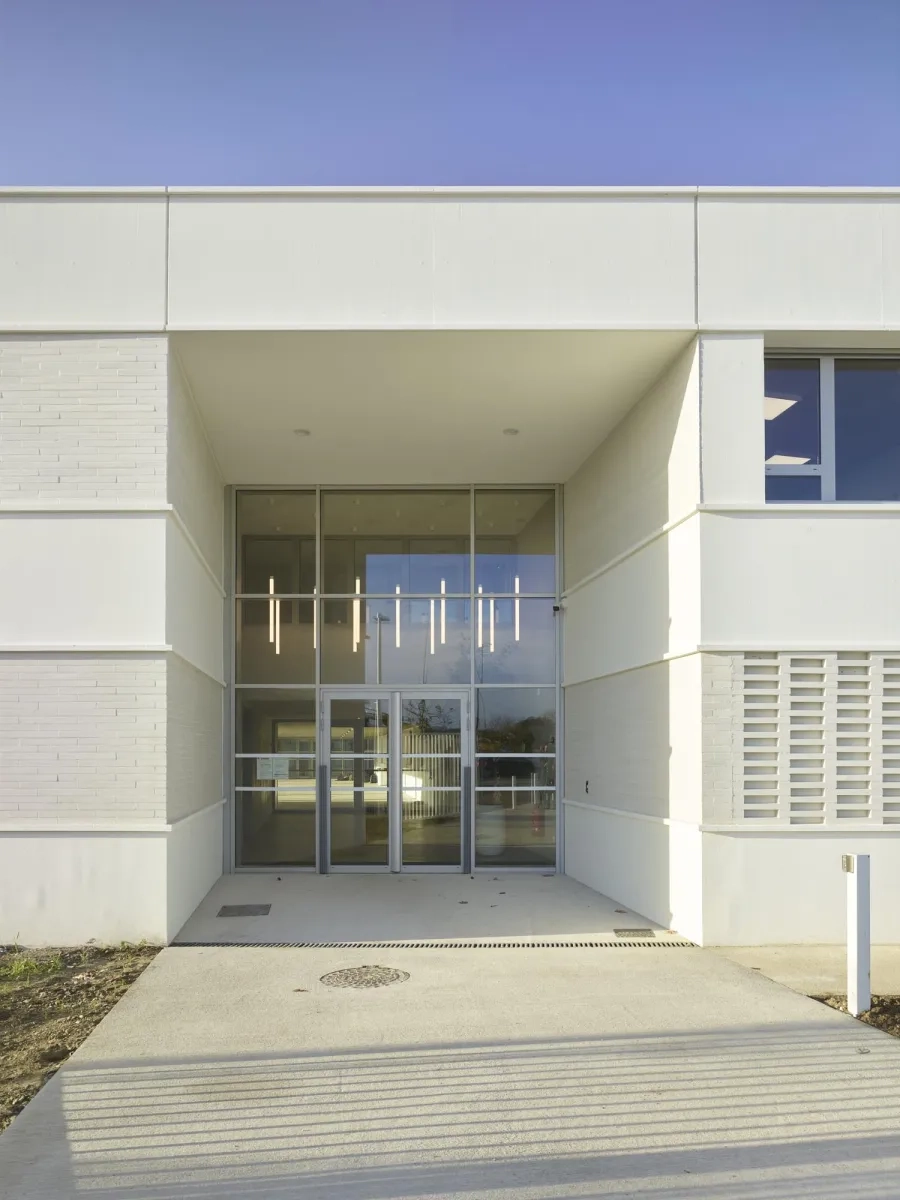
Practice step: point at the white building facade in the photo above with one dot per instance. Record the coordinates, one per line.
(450, 530)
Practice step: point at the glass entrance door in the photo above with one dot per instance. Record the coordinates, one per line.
(395, 783)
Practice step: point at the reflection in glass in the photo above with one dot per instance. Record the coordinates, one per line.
(515, 829)
(515, 541)
(276, 828)
(515, 640)
(515, 720)
(395, 641)
(793, 489)
(276, 641)
(276, 542)
(792, 412)
(360, 726)
(432, 826)
(275, 721)
(517, 774)
(381, 541)
(867, 429)
(359, 825)
(276, 824)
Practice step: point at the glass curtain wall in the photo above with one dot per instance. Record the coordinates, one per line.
(352, 589)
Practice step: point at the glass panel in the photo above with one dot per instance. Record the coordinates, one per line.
(867, 429)
(431, 726)
(792, 412)
(359, 641)
(275, 770)
(515, 829)
(417, 541)
(275, 721)
(359, 825)
(275, 641)
(784, 489)
(360, 727)
(515, 541)
(516, 773)
(516, 720)
(276, 828)
(431, 772)
(515, 641)
(432, 827)
(276, 539)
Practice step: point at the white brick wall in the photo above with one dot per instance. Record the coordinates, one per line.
(82, 738)
(83, 418)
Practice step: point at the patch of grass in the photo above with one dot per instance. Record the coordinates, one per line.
(23, 966)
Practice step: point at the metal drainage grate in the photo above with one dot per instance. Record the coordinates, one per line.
(621, 945)
(364, 977)
(244, 910)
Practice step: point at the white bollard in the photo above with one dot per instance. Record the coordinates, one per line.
(859, 934)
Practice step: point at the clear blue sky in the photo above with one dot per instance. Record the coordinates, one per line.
(450, 91)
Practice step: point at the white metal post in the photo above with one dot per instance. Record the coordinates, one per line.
(859, 953)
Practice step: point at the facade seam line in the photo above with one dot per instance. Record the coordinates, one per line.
(631, 550)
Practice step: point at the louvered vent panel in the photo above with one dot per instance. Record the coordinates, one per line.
(821, 738)
(890, 740)
(805, 793)
(853, 738)
(762, 703)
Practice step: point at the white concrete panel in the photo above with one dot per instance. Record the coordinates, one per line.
(643, 475)
(769, 262)
(686, 880)
(564, 261)
(624, 858)
(732, 424)
(778, 579)
(193, 479)
(83, 580)
(83, 262)
(194, 606)
(452, 262)
(771, 889)
(194, 856)
(195, 719)
(643, 608)
(63, 889)
(289, 262)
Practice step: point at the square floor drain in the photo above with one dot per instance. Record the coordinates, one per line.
(634, 933)
(244, 910)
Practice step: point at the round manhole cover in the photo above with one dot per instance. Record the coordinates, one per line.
(364, 977)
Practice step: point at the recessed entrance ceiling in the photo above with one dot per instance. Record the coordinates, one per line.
(416, 407)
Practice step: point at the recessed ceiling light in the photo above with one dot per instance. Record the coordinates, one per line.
(510, 432)
(302, 432)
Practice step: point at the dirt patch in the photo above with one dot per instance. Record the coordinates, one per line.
(884, 1013)
(50, 1000)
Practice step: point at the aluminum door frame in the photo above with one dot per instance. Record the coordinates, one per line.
(394, 696)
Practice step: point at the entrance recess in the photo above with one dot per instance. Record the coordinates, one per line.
(395, 781)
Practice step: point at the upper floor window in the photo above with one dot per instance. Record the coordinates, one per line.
(832, 429)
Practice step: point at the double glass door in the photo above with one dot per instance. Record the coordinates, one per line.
(396, 781)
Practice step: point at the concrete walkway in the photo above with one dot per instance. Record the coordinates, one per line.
(487, 1075)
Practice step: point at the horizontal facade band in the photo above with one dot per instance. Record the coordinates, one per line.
(629, 551)
(458, 190)
(106, 828)
(742, 829)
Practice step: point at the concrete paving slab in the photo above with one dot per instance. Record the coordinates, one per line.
(390, 908)
(817, 970)
(539, 1074)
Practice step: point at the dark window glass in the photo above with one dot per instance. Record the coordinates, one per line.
(276, 535)
(792, 412)
(516, 720)
(867, 429)
(787, 489)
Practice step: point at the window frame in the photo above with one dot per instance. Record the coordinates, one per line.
(826, 467)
